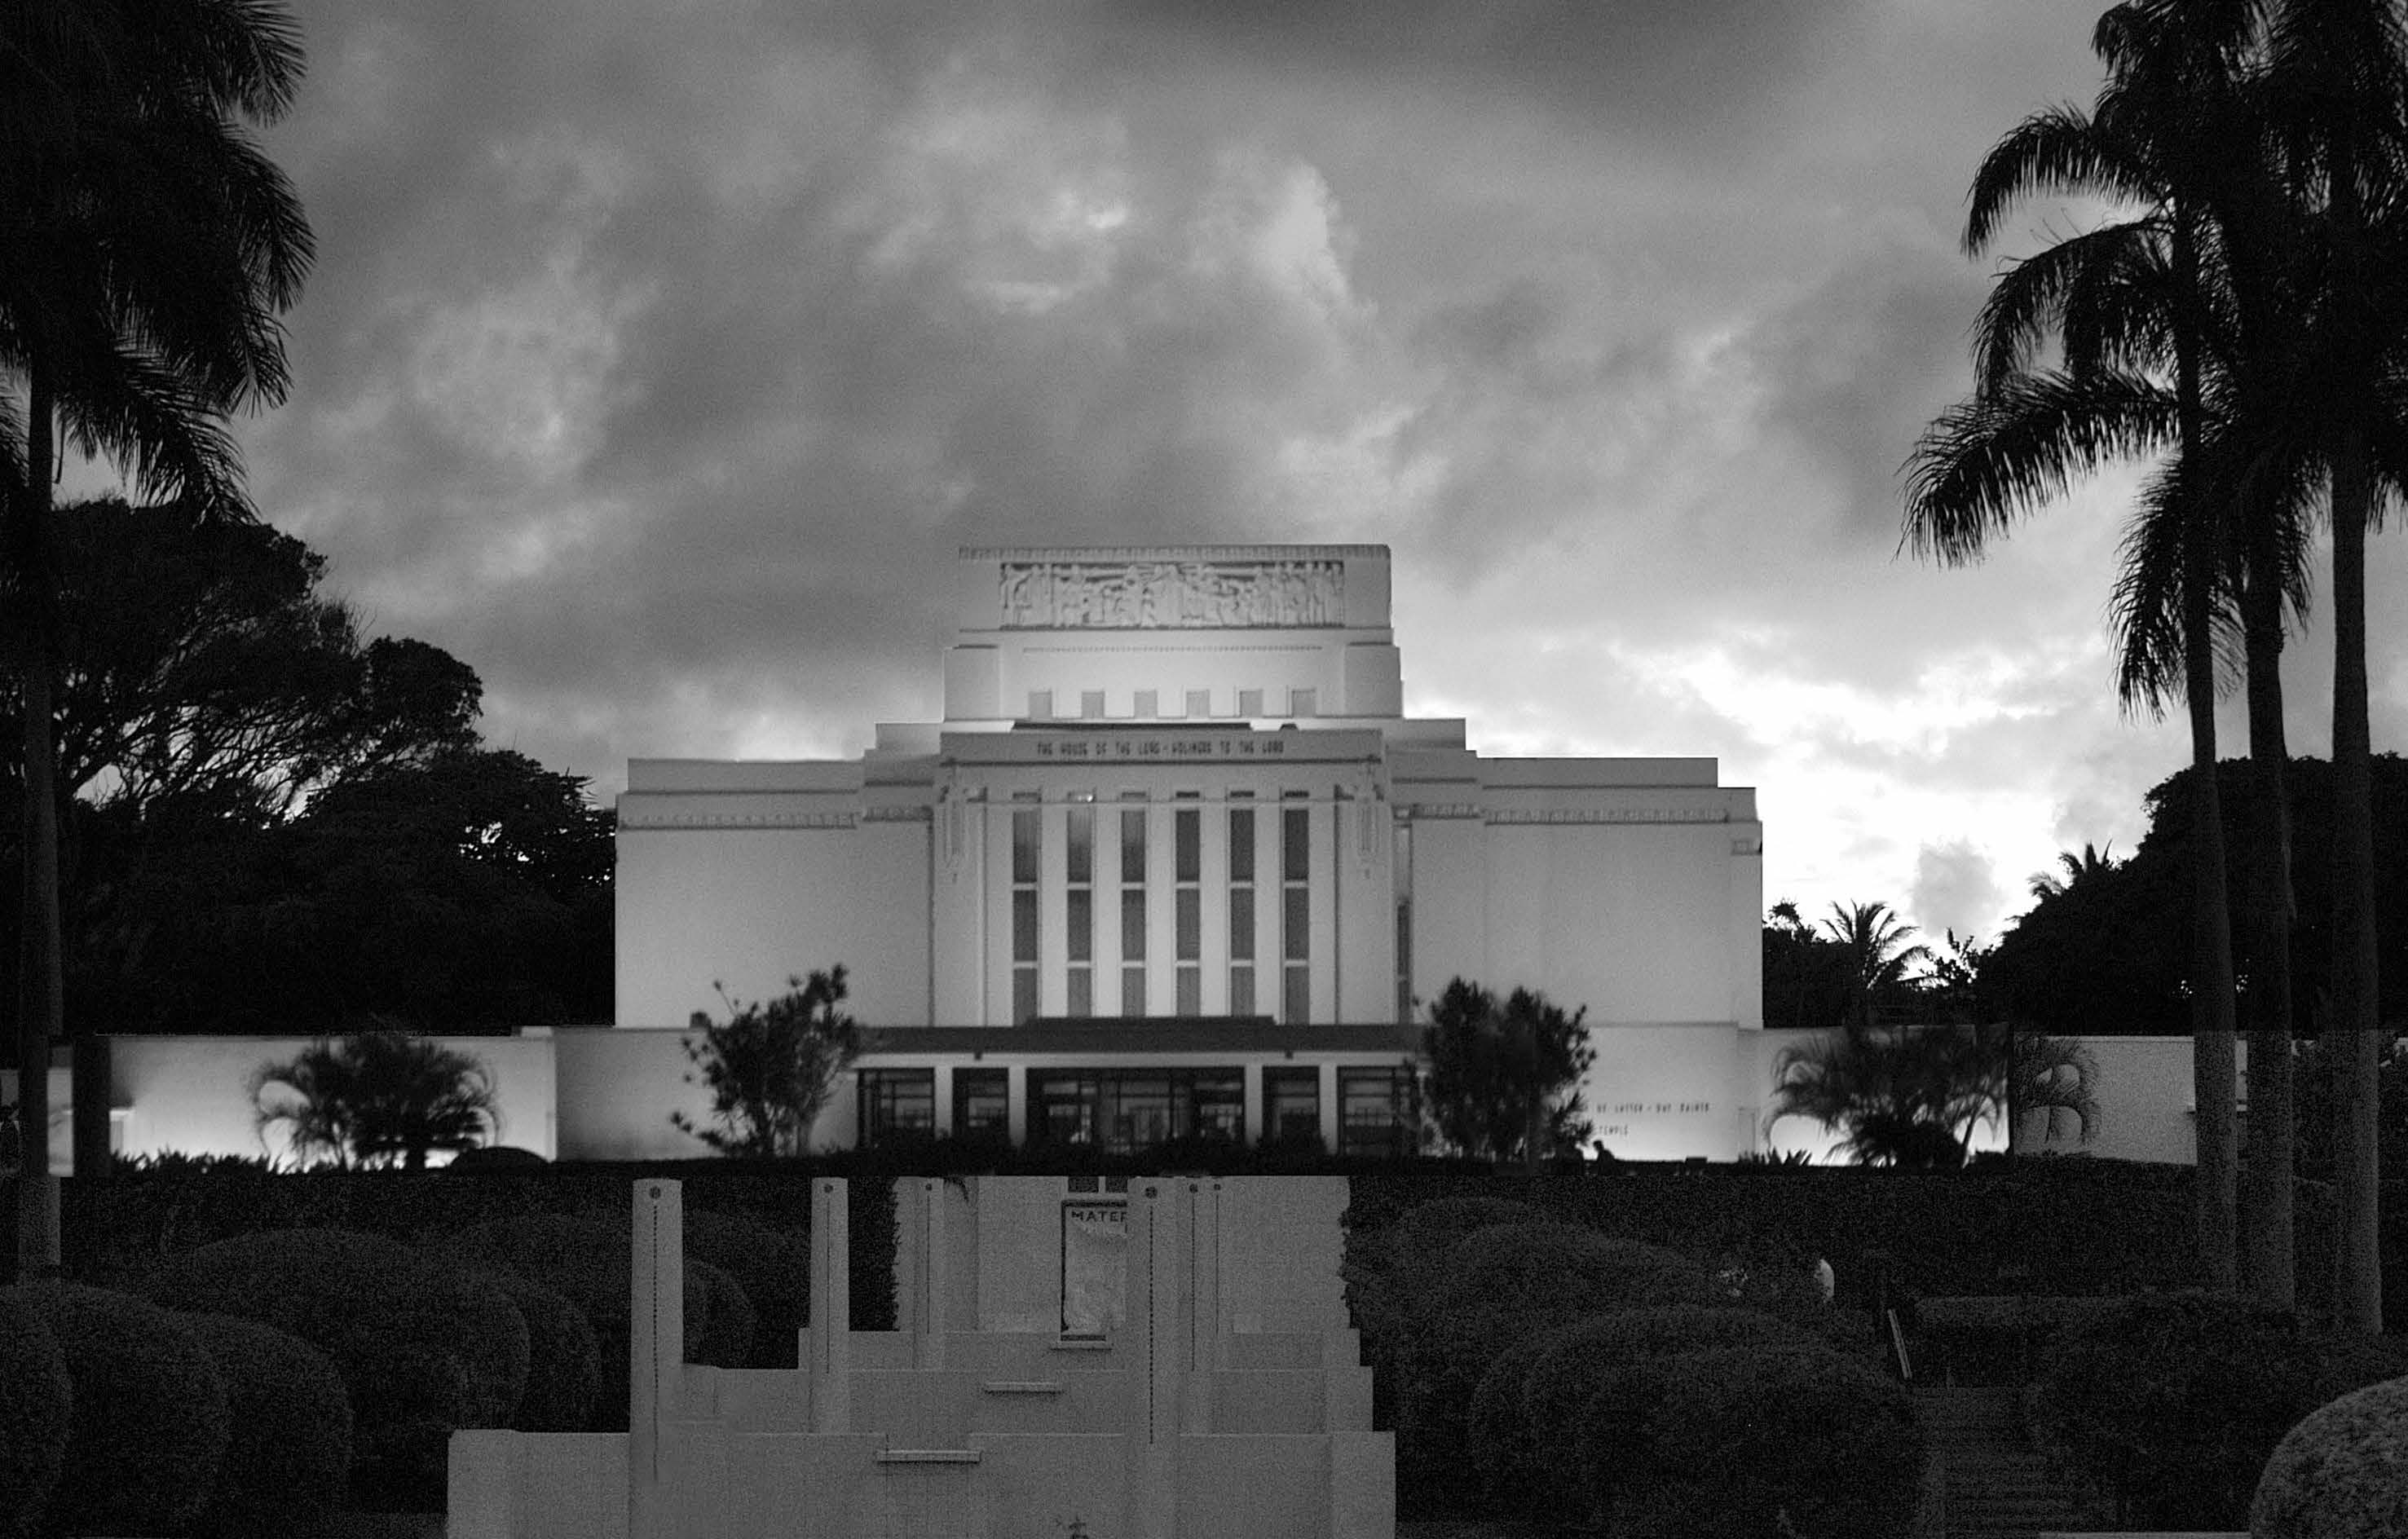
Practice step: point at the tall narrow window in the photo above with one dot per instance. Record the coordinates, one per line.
(1027, 834)
(1295, 910)
(1133, 904)
(1242, 909)
(1078, 921)
(1188, 904)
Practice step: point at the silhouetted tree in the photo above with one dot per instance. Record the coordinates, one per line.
(1505, 1076)
(377, 1097)
(150, 246)
(770, 1067)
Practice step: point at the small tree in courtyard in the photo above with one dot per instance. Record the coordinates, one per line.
(771, 1067)
(1505, 1078)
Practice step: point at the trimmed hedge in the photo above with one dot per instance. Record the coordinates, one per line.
(423, 1347)
(36, 1406)
(564, 1360)
(587, 1260)
(2342, 1473)
(1781, 1443)
(289, 1460)
(772, 1267)
(1388, 1272)
(149, 1422)
(118, 1230)
(1497, 1286)
(1531, 1443)
(2069, 1225)
(2172, 1402)
(1996, 1340)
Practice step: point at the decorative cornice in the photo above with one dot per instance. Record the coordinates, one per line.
(1174, 552)
(897, 815)
(1611, 815)
(743, 820)
(1417, 811)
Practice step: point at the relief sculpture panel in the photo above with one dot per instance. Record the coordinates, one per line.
(1172, 595)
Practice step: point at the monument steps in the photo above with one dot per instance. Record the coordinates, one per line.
(1995, 1483)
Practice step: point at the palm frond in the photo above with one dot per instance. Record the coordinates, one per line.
(1998, 456)
(2056, 150)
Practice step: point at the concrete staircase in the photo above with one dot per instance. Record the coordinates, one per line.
(1993, 1482)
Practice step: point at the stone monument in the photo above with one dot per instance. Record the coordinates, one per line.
(1212, 1389)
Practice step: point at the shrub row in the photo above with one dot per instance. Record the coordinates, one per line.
(117, 1232)
(2172, 1403)
(117, 1415)
(2048, 1226)
(1549, 1372)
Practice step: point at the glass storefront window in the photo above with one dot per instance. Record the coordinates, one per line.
(897, 1105)
(1127, 1110)
(1291, 1106)
(982, 1105)
(1377, 1112)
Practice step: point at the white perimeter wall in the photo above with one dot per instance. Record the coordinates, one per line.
(749, 908)
(1657, 1092)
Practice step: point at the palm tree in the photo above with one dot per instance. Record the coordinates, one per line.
(2132, 302)
(2092, 863)
(2051, 1076)
(1912, 1095)
(381, 1097)
(1878, 956)
(146, 248)
(2338, 70)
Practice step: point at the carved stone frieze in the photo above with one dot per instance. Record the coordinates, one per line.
(1172, 595)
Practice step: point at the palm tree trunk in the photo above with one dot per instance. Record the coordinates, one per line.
(39, 985)
(2358, 1281)
(2214, 1191)
(2269, 1269)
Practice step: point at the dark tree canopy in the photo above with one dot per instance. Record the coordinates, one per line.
(271, 824)
(199, 658)
(1493, 1064)
(2109, 953)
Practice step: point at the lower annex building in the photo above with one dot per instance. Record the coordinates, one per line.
(1174, 863)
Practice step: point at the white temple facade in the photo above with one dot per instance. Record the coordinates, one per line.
(1175, 862)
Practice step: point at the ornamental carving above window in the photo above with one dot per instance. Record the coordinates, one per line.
(1172, 595)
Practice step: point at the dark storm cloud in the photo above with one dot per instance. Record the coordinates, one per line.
(1695, 73)
(660, 356)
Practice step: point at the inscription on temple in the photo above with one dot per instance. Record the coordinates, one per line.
(1172, 595)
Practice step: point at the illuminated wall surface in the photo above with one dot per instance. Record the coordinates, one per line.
(1173, 802)
(600, 1093)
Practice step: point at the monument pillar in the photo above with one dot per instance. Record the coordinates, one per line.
(1157, 1266)
(830, 1335)
(657, 1355)
(920, 1211)
(1201, 1303)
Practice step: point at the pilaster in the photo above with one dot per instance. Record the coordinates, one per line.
(657, 1350)
(830, 1337)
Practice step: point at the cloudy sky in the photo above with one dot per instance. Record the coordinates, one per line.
(660, 353)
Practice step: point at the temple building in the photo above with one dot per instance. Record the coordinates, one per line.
(1175, 863)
